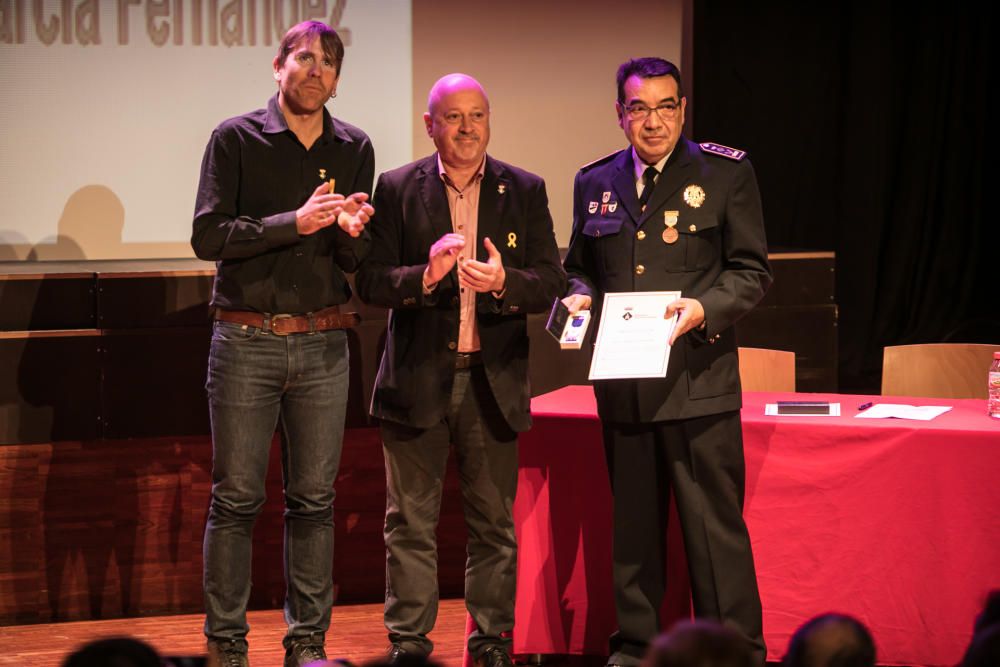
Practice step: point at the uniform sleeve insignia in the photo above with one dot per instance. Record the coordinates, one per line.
(723, 151)
(598, 161)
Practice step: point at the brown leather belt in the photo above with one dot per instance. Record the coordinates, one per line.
(283, 325)
(465, 360)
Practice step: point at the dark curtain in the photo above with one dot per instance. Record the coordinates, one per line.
(872, 129)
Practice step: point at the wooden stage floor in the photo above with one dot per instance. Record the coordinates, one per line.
(356, 633)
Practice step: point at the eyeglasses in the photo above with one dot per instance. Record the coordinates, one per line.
(667, 111)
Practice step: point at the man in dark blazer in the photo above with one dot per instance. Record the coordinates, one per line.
(462, 251)
(668, 214)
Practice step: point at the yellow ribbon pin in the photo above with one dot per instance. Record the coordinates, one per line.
(512, 240)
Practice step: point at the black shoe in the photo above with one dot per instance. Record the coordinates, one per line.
(397, 655)
(222, 653)
(304, 650)
(495, 656)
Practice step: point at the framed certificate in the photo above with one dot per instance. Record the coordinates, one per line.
(633, 339)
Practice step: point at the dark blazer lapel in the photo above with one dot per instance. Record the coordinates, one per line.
(434, 197)
(436, 203)
(675, 174)
(623, 183)
(493, 195)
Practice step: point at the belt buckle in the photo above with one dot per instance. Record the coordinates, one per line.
(271, 320)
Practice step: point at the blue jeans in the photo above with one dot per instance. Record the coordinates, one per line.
(258, 381)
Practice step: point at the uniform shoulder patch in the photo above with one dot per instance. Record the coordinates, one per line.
(723, 151)
(599, 161)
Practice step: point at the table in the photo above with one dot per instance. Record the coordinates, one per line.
(895, 522)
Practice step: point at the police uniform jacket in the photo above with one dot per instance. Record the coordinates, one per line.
(719, 258)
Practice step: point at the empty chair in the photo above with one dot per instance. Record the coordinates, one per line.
(937, 370)
(766, 370)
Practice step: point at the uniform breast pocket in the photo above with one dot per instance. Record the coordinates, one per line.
(605, 239)
(602, 227)
(703, 243)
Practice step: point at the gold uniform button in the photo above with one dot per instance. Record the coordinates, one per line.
(640, 269)
(452, 345)
(640, 235)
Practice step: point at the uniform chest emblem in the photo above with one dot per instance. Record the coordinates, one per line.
(694, 196)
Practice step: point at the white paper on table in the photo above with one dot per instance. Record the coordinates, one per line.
(885, 410)
(633, 340)
(771, 410)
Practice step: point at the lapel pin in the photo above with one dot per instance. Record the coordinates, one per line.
(322, 174)
(502, 188)
(512, 240)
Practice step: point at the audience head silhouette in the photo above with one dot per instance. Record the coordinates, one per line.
(831, 640)
(699, 643)
(114, 652)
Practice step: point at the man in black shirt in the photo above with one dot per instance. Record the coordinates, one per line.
(271, 212)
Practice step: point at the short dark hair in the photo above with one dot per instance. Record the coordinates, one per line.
(984, 649)
(646, 68)
(306, 31)
(699, 643)
(114, 652)
(990, 614)
(831, 640)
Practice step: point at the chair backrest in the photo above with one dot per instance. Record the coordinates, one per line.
(937, 370)
(766, 370)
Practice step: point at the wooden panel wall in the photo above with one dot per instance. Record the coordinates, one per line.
(112, 528)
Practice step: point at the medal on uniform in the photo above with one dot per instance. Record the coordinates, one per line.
(670, 234)
(694, 196)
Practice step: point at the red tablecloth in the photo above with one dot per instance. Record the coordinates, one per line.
(896, 522)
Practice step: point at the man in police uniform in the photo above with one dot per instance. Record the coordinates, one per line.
(668, 214)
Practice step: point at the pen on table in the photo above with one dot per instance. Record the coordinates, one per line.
(865, 406)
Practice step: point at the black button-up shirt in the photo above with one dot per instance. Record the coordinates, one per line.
(254, 176)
